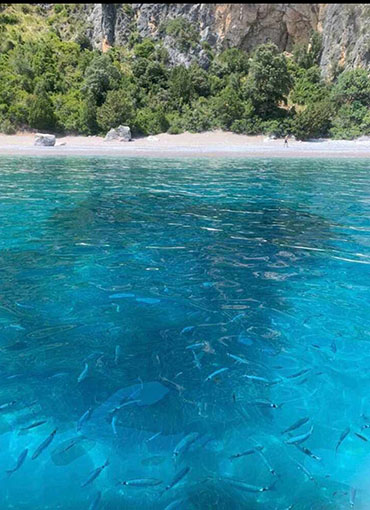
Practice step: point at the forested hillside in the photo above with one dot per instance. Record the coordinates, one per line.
(54, 78)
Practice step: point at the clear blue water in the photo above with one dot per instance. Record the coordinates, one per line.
(125, 284)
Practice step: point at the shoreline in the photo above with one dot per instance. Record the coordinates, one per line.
(212, 144)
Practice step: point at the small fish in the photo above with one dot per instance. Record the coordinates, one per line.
(196, 361)
(117, 354)
(93, 355)
(342, 437)
(293, 376)
(299, 439)
(216, 372)
(333, 347)
(84, 418)
(247, 452)
(352, 497)
(366, 426)
(177, 478)
(266, 462)
(188, 329)
(361, 437)
(296, 425)
(237, 317)
(238, 359)
(263, 403)
(95, 502)
(153, 437)
(114, 419)
(44, 445)
(95, 473)
(7, 404)
(142, 482)
(261, 379)
(239, 484)
(33, 425)
(195, 346)
(308, 452)
(83, 374)
(305, 471)
(70, 444)
(175, 504)
(185, 443)
(20, 460)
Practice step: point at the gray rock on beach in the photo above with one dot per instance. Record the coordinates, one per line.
(121, 133)
(44, 140)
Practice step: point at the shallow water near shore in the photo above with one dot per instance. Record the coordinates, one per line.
(161, 317)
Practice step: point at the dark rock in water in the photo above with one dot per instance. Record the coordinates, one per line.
(44, 140)
(121, 133)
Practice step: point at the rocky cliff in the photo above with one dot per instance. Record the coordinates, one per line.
(345, 28)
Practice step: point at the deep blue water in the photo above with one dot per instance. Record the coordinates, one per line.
(125, 284)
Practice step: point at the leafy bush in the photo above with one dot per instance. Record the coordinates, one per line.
(117, 109)
(7, 127)
(150, 121)
(314, 121)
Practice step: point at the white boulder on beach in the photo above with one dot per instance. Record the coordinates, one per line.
(121, 133)
(44, 140)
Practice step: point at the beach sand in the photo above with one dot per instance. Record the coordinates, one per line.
(208, 144)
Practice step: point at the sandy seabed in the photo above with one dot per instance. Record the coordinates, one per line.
(208, 144)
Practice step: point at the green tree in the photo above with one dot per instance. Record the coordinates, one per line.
(269, 80)
(117, 109)
(41, 113)
(314, 121)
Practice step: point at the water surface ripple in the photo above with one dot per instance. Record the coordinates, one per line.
(164, 322)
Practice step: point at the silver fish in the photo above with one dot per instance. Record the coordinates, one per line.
(95, 473)
(177, 478)
(299, 439)
(7, 404)
(308, 452)
(342, 437)
(247, 452)
(174, 504)
(298, 374)
(33, 425)
(216, 372)
(239, 484)
(296, 425)
(114, 419)
(185, 443)
(263, 403)
(83, 374)
(238, 359)
(95, 502)
(84, 418)
(196, 361)
(20, 460)
(266, 462)
(44, 445)
(352, 496)
(117, 354)
(142, 482)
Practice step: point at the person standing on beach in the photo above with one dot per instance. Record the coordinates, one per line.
(286, 141)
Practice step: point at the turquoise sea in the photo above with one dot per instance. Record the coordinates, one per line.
(164, 323)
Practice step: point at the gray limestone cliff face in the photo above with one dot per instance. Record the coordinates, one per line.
(346, 38)
(345, 28)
